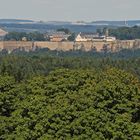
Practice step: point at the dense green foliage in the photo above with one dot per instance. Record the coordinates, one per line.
(18, 36)
(126, 33)
(72, 37)
(25, 65)
(71, 104)
(50, 95)
(65, 30)
(122, 33)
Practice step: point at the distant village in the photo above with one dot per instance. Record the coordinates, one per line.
(59, 36)
(60, 40)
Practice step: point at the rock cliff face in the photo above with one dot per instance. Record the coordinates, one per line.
(66, 46)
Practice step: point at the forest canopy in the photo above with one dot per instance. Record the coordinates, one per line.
(73, 95)
(71, 104)
(126, 33)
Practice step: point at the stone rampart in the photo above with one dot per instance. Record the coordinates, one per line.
(1, 45)
(12, 45)
(66, 46)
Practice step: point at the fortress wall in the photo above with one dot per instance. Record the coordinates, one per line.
(137, 43)
(1, 45)
(123, 44)
(98, 45)
(65, 46)
(12, 45)
(128, 44)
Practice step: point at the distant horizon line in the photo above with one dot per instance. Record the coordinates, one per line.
(39, 20)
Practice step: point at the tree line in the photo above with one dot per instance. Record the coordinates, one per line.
(24, 65)
(47, 95)
(122, 33)
(35, 36)
(126, 33)
(19, 36)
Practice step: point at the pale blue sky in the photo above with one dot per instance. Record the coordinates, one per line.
(70, 10)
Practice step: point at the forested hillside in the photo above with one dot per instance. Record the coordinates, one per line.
(126, 33)
(48, 95)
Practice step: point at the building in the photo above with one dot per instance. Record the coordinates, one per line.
(83, 37)
(93, 37)
(80, 38)
(109, 39)
(57, 36)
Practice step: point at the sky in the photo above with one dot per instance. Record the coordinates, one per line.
(70, 10)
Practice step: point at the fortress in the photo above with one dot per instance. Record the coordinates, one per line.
(67, 46)
(83, 41)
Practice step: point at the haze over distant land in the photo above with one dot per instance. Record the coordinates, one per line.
(70, 10)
